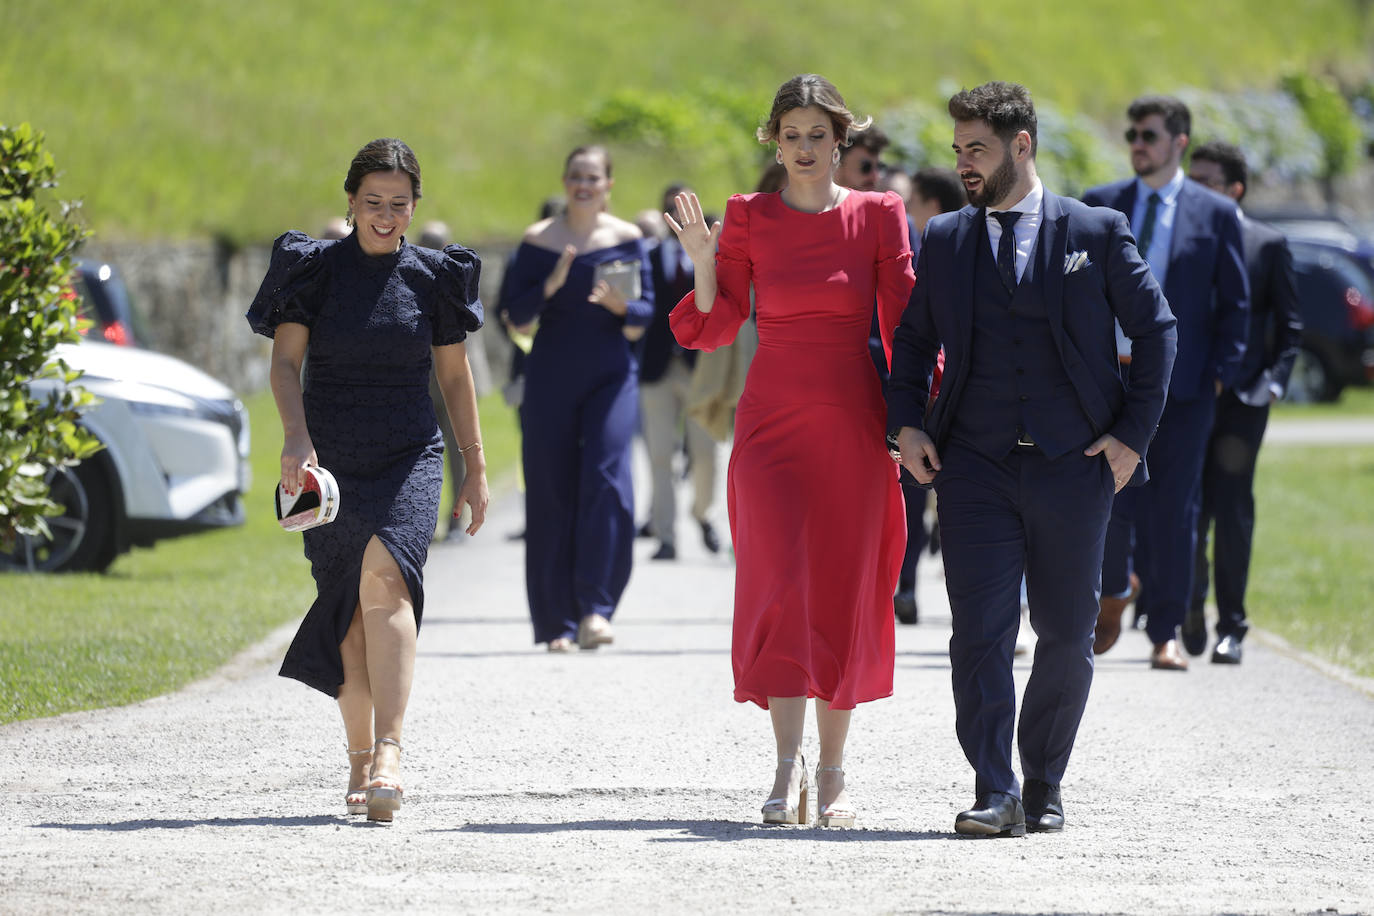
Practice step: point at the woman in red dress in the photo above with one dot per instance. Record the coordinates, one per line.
(815, 509)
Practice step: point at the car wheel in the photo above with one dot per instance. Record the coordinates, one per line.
(1311, 380)
(82, 536)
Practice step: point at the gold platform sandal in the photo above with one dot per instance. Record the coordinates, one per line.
(355, 802)
(832, 815)
(779, 810)
(383, 800)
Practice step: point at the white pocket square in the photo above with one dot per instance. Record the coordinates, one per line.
(1075, 261)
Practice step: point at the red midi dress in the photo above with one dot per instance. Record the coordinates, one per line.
(816, 513)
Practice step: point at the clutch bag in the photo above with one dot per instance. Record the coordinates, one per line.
(621, 276)
(315, 504)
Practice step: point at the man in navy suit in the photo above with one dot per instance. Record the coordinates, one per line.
(1032, 433)
(1190, 237)
(1228, 477)
(665, 377)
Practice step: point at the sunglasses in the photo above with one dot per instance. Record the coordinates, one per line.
(868, 167)
(1146, 136)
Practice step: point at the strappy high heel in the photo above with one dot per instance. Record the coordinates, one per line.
(355, 801)
(781, 810)
(832, 815)
(383, 801)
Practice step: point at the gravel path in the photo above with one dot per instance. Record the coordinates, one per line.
(627, 781)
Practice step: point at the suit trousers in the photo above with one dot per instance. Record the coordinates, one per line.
(1228, 500)
(663, 414)
(1153, 527)
(914, 497)
(999, 519)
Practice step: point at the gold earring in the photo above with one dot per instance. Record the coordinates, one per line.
(779, 157)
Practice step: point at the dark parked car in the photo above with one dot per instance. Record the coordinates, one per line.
(105, 301)
(1334, 272)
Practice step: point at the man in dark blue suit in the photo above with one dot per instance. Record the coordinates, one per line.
(1032, 433)
(665, 378)
(1228, 476)
(1190, 237)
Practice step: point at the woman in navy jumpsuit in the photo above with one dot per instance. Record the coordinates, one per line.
(580, 409)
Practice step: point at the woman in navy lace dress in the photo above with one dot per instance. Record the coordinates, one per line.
(581, 404)
(371, 311)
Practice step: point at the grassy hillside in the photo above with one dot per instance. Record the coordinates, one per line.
(238, 119)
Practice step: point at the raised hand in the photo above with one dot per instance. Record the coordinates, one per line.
(559, 275)
(696, 238)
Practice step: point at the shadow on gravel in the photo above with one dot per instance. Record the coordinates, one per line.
(318, 820)
(706, 831)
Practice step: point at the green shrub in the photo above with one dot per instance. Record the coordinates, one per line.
(1270, 128)
(38, 311)
(1330, 117)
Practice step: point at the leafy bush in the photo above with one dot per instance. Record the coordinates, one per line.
(1268, 127)
(1330, 117)
(711, 128)
(38, 311)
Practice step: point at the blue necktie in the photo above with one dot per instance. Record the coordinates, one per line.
(1147, 227)
(1006, 248)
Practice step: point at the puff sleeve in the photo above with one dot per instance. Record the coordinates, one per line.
(293, 289)
(699, 330)
(457, 308)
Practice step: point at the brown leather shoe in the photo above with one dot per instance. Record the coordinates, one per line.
(1167, 657)
(1109, 611)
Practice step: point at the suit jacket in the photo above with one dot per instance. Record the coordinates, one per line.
(1206, 284)
(1113, 283)
(1275, 325)
(659, 345)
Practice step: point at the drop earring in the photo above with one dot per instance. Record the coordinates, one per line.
(779, 157)
(835, 157)
(348, 218)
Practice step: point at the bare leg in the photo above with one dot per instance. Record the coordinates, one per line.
(389, 630)
(833, 726)
(355, 703)
(789, 724)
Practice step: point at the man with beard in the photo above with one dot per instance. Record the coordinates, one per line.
(1191, 238)
(1029, 438)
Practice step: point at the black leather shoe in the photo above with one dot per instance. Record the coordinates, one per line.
(1194, 632)
(904, 606)
(996, 814)
(710, 538)
(644, 531)
(665, 551)
(1227, 651)
(1044, 810)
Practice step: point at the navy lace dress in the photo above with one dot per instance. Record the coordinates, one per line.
(372, 321)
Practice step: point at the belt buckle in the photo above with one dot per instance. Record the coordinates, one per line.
(1024, 440)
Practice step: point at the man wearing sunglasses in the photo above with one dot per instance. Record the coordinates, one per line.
(1191, 238)
(861, 161)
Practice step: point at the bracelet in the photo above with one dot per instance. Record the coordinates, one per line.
(468, 448)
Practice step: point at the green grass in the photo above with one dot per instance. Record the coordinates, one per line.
(163, 617)
(1353, 403)
(1311, 579)
(238, 119)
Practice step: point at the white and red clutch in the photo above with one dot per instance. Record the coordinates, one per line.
(315, 504)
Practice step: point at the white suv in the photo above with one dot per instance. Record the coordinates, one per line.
(175, 459)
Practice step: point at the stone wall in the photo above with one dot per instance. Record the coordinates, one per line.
(189, 299)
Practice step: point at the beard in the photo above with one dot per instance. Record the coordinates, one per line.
(995, 186)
